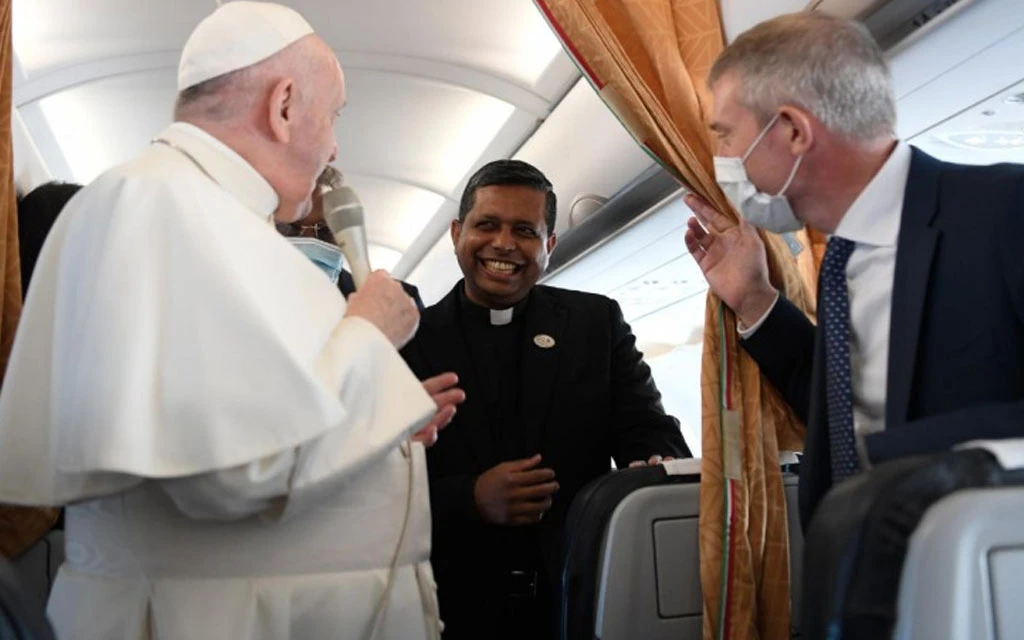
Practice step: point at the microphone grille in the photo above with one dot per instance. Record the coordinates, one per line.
(342, 209)
(329, 178)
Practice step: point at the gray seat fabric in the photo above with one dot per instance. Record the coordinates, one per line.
(649, 573)
(964, 572)
(919, 548)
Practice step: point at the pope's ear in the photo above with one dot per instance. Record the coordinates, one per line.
(281, 110)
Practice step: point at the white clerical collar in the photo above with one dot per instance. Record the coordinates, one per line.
(224, 166)
(501, 317)
(481, 315)
(874, 217)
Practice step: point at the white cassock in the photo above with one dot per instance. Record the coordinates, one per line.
(230, 447)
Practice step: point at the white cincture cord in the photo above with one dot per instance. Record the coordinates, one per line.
(385, 598)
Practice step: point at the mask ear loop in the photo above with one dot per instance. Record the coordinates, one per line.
(792, 174)
(760, 136)
(757, 140)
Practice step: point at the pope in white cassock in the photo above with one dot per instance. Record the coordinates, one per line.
(242, 453)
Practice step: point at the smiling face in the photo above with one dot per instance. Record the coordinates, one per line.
(503, 244)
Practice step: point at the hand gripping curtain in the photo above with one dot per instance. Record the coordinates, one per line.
(19, 526)
(648, 59)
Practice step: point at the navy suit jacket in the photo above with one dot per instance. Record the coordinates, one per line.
(956, 339)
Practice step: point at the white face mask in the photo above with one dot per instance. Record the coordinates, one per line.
(769, 212)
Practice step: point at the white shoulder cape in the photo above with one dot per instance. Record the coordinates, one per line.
(170, 331)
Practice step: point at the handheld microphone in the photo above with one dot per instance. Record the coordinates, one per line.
(344, 216)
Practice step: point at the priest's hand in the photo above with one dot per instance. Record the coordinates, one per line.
(446, 397)
(733, 260)
(383, 303)
(653, 461)
(515, 493)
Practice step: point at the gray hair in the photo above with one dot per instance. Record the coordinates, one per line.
(831, 67)
(219, 98)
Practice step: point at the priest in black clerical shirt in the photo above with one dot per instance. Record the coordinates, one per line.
(555, 388)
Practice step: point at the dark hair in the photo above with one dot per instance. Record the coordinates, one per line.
(37, 211)
(510, 173)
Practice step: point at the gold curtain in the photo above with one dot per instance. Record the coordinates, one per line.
(648, 59)
(20, 527)
(809, 260)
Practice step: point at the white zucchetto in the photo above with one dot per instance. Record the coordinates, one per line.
(238, 35)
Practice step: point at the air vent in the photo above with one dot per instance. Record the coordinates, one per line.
(891, 21)
(894, 28)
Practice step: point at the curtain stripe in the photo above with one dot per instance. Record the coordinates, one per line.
(721, 625)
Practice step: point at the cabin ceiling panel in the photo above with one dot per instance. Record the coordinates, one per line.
(104, 123)
(382, 257)
(576, 160)
(410, 134)
(519, 46)
(988, 132)
(437, 272)
(419, 131)
(50, 34)
(740, 15)
(395, 213)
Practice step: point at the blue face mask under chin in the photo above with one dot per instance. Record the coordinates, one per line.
(324, 255)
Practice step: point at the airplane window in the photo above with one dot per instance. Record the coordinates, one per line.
(647, 269)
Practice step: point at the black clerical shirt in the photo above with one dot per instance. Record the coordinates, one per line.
(494, 341)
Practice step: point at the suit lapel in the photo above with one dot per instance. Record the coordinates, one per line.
(914, 252)
(444, 347)
(543, 345)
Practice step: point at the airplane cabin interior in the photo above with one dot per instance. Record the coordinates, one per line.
(436, 90)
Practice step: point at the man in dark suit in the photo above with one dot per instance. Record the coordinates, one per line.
(919, 343)
(555, 388)
(314, 226)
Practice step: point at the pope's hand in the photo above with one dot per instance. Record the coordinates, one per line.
(383, 303)
(446, 397)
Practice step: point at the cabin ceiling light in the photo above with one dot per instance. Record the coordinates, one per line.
(989, 140)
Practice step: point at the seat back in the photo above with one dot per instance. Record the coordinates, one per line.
(632, 557)
(859, 578)
(587, 529)
(649, 570)
(964, 572)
